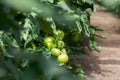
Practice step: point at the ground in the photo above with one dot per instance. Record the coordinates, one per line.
(104, 65)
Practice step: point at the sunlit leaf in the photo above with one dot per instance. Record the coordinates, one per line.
(47, 24)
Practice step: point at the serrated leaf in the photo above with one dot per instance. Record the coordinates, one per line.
(79, 26)
(100, 36)
(90, 44)
(87, 32)
(96, 28)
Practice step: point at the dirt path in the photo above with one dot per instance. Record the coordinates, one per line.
(106, 64)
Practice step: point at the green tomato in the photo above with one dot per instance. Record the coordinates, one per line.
(64, 51)
(50, 45)
(59, 34)
(60, 44)
(76, 37)
(56, 52)
(63, 58)
(48, 40)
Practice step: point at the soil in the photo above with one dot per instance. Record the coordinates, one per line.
(104, 65)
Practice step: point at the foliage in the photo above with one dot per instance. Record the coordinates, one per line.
(113, 5)
(24, 26)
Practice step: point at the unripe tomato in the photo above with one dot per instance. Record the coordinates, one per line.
(63, 58)
(60, 44)
(76, 37)
(59, 34)
(50, 45)
(55, 52)
(64, 51)
(48, 40)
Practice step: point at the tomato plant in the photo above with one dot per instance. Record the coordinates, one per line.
(42, 27)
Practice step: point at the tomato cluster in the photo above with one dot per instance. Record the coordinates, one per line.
(56, 45)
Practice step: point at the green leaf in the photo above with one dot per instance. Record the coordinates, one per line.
(90, 44)
(28, 41)
(64, 6)
(79, 26)
(51, 1)
(47, 24)
(24, 62)
(100, 36)
(87, 31)
(96, 28)
(26, 29)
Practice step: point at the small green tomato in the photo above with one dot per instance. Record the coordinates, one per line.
(59, 34)
(48, 40)
(64, 51)
(56, 52)
(50, 45)
(60, 44)
(63, 58)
